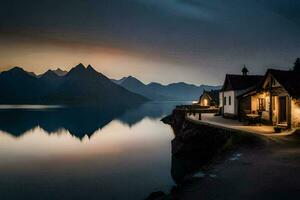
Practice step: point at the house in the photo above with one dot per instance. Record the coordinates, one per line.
(209, 98)
(235, 85)
(277, 98)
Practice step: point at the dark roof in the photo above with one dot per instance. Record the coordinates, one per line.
(290, 80)
(240, 82)
(213, 94)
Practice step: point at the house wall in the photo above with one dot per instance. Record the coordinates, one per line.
(220, 99)
(295, 107)
(230, 109)
(244, 106)
(255, 105)
(265, 115)
(275, 110)
(295, 113)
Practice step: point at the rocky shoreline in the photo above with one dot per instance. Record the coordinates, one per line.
(197, 146)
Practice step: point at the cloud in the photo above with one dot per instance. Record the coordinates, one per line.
(183, 8)
(204, 36)
(288, 9)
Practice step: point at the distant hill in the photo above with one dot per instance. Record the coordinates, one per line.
(60, 72)
(80, 86)
(155, 91)
(134, 85)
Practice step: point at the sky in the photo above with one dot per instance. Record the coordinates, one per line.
(195, 41)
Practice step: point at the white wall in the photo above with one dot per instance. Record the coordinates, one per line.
(230, 109)
(220, 99)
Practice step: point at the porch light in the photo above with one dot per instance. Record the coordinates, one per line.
(194, 102)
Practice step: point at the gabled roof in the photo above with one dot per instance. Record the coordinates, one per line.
(213, 95)
(240, 82)
(290, 80)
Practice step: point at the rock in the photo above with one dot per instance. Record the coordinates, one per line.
(167, 120)
(156, 195)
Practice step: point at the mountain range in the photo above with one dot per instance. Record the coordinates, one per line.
(57, 71)
(155, 91)
(80, 86)
(85, 86)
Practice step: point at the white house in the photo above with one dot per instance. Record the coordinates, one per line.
(235, 85)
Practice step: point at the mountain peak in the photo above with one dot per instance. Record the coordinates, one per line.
(80, 71)
(16, 71)
(77, 69)
(79, 66)
(118, 81)
(60, 72)
(90, 68)
(132, 78)
(49, 73)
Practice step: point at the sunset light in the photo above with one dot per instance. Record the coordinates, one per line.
(149, 100)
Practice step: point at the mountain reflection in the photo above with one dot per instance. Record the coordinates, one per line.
(80, 122)
(151, 110)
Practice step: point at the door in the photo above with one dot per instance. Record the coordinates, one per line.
(282, 109)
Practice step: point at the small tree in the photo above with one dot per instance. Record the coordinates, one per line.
(297, 65)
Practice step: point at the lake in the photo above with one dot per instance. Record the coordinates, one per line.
(81, 153)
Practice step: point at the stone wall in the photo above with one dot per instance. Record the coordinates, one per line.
(202, 139)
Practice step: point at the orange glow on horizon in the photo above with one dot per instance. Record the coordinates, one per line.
(40, 55)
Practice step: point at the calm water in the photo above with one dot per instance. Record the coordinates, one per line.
(64, 153)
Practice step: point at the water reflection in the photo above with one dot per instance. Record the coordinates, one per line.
(79, 122)
(127, 154)
(152, 110)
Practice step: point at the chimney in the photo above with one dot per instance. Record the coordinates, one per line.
(245, 71)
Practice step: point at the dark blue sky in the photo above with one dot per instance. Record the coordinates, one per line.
(196, 41)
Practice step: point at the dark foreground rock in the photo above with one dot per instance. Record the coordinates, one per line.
(215, 163)
(156, 196)
(167, 119)
(195, 146)
(204, 140)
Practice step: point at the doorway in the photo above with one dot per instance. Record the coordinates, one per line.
(282, 110)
